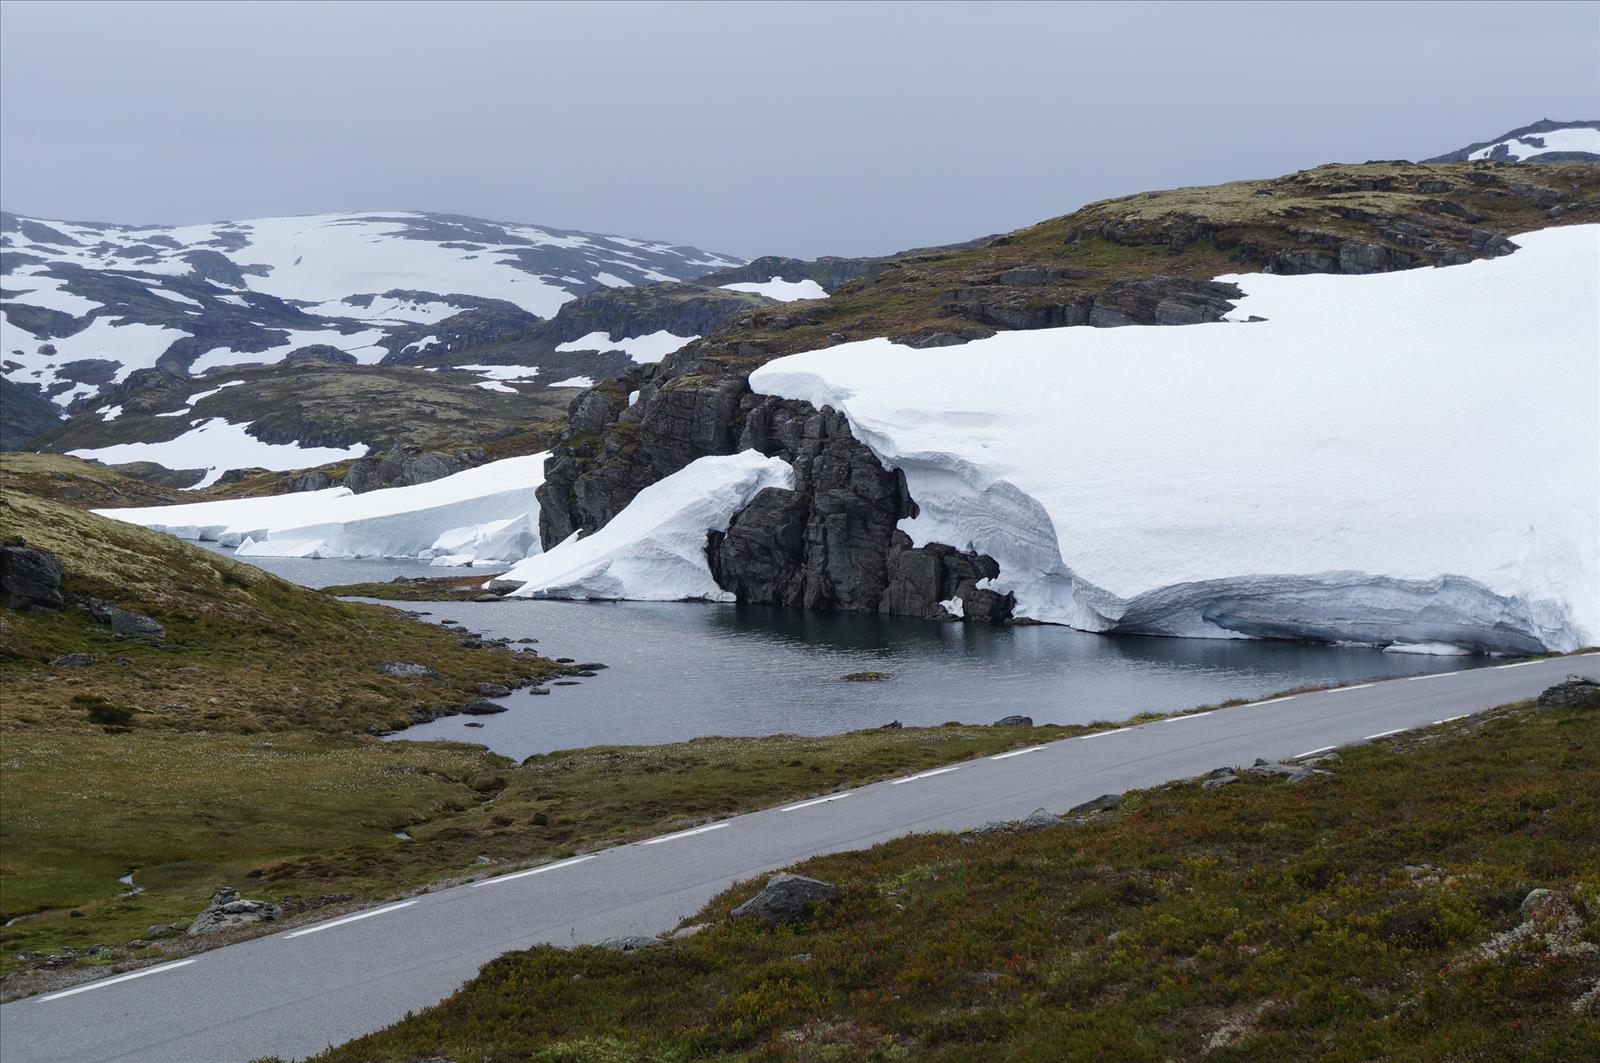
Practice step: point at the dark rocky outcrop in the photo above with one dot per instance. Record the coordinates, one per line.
(125, 623)
(1576, 692)
(30, 580)
(786, 898)
(228, 910)
(24, 413)
(402, 468)
(319, 352)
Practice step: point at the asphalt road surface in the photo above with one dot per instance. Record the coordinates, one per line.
(298, 991)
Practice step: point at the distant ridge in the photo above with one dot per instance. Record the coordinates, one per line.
(1544, 141)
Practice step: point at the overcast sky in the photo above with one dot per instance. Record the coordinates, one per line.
(800, 129)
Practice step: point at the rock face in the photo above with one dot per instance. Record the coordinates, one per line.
(228, 910)
(1576, 691)
(786, 898)
(401, 468)
(30, 580)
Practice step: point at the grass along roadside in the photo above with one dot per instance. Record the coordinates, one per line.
(1363, 914)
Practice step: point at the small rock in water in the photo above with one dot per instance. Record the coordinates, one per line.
(481, 707)
(564, 660)
(472, 723)
(867, 677)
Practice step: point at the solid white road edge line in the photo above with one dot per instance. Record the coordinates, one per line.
(532, 871)
(683, 834)
(923, 775)
(1017, 752)
(1431, 675)
(817, 801)
(113, 981)
(349, 919)
(1385, 734)
(1313, 752)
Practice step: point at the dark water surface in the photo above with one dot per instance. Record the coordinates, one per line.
(682, 670)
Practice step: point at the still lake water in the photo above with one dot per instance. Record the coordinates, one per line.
(682, 670)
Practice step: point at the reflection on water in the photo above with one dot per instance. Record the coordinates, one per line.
(682, 670)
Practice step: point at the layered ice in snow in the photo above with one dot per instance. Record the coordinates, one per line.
(1405, 459)
(486, 515)
(655, 549)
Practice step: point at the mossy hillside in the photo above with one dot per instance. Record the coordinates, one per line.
(244, 650)
(1194, 233)
(80, 483)
(1337, 919)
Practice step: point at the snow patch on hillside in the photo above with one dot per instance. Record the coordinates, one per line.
(218, 445)
(645, 350)
(1395, 458)
(781, 290)
(1577, 138)
(655, 549)
(484, 515)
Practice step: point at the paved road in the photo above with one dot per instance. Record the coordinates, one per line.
(296, 992)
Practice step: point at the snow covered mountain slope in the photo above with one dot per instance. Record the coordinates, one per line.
(1393, 459)
(1543, 141)
(87, 304)
(486, 514)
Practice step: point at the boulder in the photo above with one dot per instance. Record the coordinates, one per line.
(630, 943)
(73, 660)
(1103, 803)
(228, 910)
(30, 580)
(493, 690)
(407, 670)
(1039, 819)
(788, 897)
(1575, 691)
(124, 622)
(482, 707)
(1215, 781)
(1013, 721)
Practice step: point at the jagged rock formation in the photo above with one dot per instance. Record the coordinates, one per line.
(832, 543)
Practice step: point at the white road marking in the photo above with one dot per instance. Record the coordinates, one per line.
(1386, 734)
(1519, 664)
(1313, 752)
(816, 801)
(113, 981)
(1272, 701)
(349, 919)
(683, 834)
(1017, 752)
(1341, 690)
(532, 871)
(923, 775)
(1433, 675)
(1451, 719)
(1188, 716)
(1102, 734)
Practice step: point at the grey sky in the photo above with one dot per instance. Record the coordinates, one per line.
(774, 128)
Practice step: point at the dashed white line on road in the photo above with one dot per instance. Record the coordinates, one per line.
(1430, 675)
(1272, 701)
(923, 775)
(1386, 734)
(1451, 719)
(532, 871)
(1519, 664)
(1017, 752)
(1313, 752)
(1188, 716)
(113, 981)
(816, 801)
(349, 919)
(683, 834)
(1359, 686)
(1102, 734)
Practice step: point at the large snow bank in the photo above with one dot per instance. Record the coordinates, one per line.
(655, 549)
(1573, 138)
(645, 350)
(1397, 458)
(218, 445)
(782, 290)
(481, 516)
